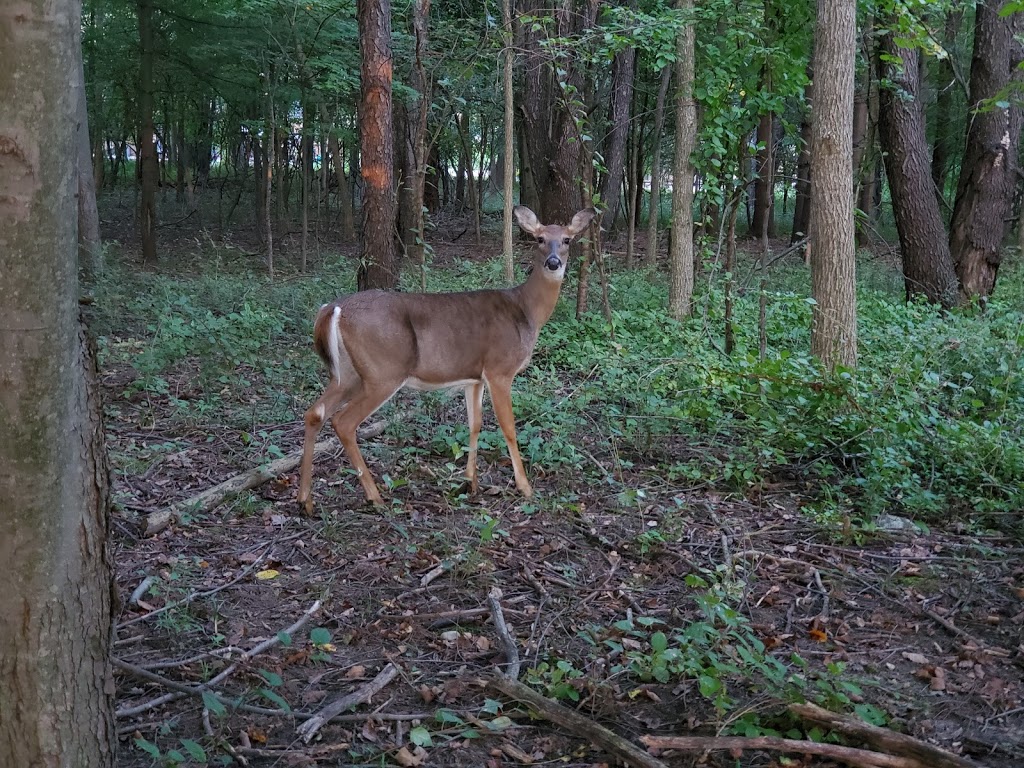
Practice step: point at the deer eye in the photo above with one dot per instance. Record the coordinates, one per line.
(566, 240)
(540, 240)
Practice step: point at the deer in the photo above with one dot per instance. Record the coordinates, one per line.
(375, 343)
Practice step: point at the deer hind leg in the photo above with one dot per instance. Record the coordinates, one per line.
(364, 402)
(474, 412)
(333, 399)
(501, 400)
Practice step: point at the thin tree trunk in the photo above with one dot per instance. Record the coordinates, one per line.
(509, 62)
(623, 67)
(801, 206)
(764, 218)
(414, 234)
(946, 85)
(56, 686)
(306, 160)
(681, 255)
(632, 200)
(269, 132)
(147, 135)
(347, 226)
(651, 256)
(833, 262)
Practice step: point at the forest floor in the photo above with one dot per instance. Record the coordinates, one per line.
(605, 584)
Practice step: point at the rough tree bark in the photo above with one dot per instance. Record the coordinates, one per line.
(681, 252)
(56, 687)
(988, 175)
(833, 263)
(927, 264)
(551, 143)
(90, 248)
(379, 265)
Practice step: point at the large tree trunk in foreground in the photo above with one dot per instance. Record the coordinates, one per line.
(989, 172)
(56, 688)
(927, 264)
(379, 267)
(833, 263)
(680, 292)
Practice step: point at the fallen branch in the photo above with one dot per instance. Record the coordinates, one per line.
(361, 695)
(574, 722)
(861, 758)
(253, 478)
(194, 595)
(507, 641)
(883, 739)
(198, 690)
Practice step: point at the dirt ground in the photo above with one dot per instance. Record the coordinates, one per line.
(928, 624)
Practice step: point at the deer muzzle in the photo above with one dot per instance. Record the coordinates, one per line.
(553, 263)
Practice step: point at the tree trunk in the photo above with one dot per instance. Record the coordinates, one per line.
(263, 210)
(147, 135)
(988, 177)
(551, 146)
(90, 249)
(681, 252)
(927, 264)
(651, 256)
(347, 228)
(946, 85)
(509, 168)
(306, 159)
(833, 262)
(56, 686)
(764, 198)
(623, 67)
(415, 145)
(801, 206)
(379, 263)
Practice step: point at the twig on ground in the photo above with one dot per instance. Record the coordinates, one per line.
(222, 743)
(574, 722)
(196, 595)
(361, 695)
(186, 690)
(508, 643)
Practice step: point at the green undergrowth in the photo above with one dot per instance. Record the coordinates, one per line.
(929, 425)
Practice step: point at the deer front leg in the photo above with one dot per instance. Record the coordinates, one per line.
(501, 399)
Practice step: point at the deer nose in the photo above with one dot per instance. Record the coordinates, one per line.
(553, 263)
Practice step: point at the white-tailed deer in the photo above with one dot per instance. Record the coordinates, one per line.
(375, 343)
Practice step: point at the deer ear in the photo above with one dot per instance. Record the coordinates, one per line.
(527, 219)
(581, 220)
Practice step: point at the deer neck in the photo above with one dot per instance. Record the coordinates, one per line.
(538, 296)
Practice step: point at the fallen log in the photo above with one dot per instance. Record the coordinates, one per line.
(574, 722)
(253, 478)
